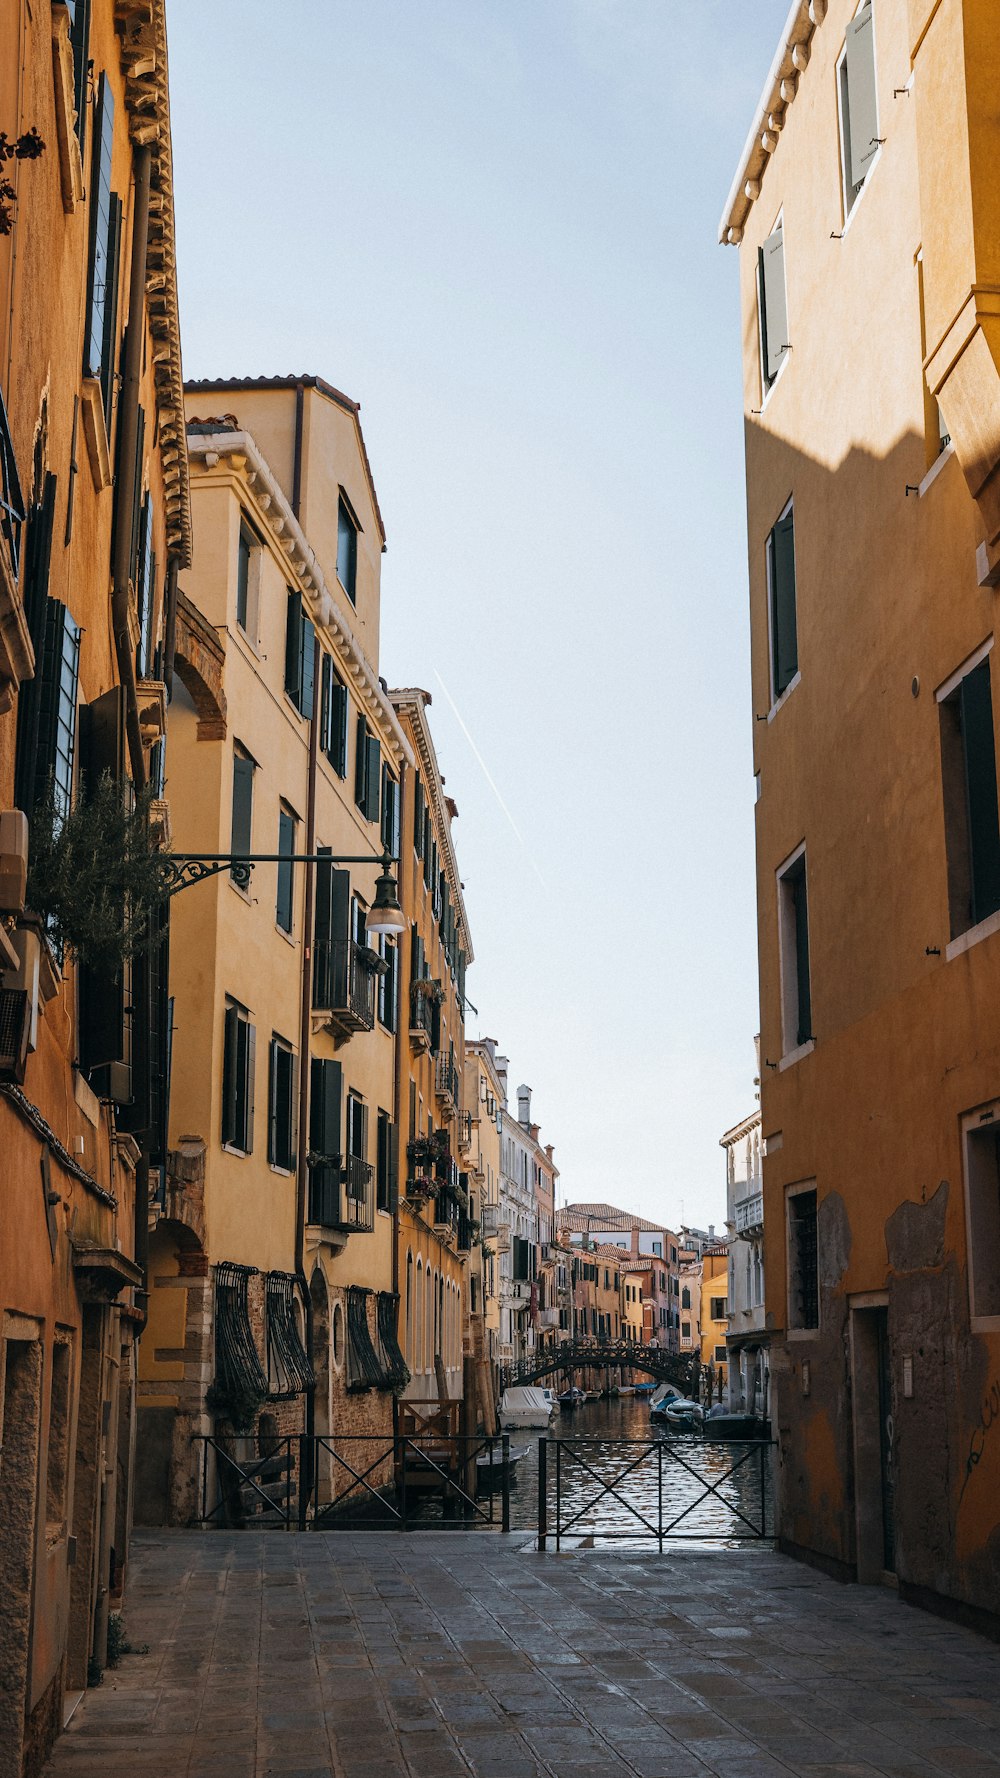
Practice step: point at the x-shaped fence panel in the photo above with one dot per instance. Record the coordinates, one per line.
(615, 1488)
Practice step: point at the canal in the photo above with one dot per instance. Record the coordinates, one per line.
(662, 1487)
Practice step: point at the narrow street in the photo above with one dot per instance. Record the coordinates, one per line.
(370, 1656)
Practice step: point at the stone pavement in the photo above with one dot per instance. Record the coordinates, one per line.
(368, 1656)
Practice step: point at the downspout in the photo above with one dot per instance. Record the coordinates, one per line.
(301, 1168)
(128, 420)
(297, 452)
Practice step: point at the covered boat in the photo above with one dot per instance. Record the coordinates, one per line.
(524, 1404)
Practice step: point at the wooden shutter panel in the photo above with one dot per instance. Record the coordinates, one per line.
(340, 932)
(981, 791)
(272, 1102)
(307, 676)
(248, 1033)
(293, 648)
(418, 815)
(102, 740)
(242, 804)
(784, 628)
(340, 706)
(862, 98)
(775, 314)
(109, 328)
(326, 1107)
(326, 705)
(373, 775)
(99, 199)
(361, 764)
(230, 1131)
(29, 780)
(393, 1204)
(801, 905)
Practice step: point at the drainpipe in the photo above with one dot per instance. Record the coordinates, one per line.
(305, 1012)
(128, 420)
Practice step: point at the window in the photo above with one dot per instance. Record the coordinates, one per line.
(781, 604)
(385, 1163)
(720, 1354)
(333, 717)
(859, 142)
(300, 656)
(239, 1047)
(367, 772)
(685, 1298)
(247, 581)
(347, 549)
(390, 812)
(281, 1106)
(793, 938)
(969, 773)
(242, 830)
(685, 1330)
(100, 328)
(325, 1146)
(418, 815)
(146, 591)
(803, 1259)
(79, 37)
(56, 682)
(286, 869)
(387, 988)
(772, 307)
(718, 1307)
(982, 1186)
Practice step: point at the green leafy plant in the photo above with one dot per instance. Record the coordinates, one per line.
(118, 1642)
(94, 874)
(24, 148)
(239, 1403)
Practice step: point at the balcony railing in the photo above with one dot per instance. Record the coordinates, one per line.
(750, 1214)
(344, 975)
(340, 1195)
(448, 1212)
(446, 1081)
(11, 498)
(421, 1018)
(490, 1215)
(465, 1130)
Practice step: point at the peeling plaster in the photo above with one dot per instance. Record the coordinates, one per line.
(914, 1233)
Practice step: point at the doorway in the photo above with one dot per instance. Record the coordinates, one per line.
(874, 1439)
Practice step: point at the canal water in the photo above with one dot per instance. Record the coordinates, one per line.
(662, 1487)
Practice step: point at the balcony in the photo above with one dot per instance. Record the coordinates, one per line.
(340, 1196)
(548, 1317)
(344, 983)
(421, 1019)
(490, 1216)
(446, 1083)
(16, 654)
(750, 1214)
(448, 1214)
(464, 1131)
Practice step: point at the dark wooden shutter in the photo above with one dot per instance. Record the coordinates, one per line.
(784, 627)
(281, 1082)
(29, 779)
(322, 959)
(247, 1072)
(461, 978)
(393, 1168)
(326, 704)
(230, 1131)
(340, 928)
(981, 791)
(79, 37)
(307, 675)
(242, 804)
(134, 518)
(144, 589)
(373, 776)
(862, 98)
(102, 740)
(326, 1107)
(418, 815)
(293, 648)
(58, 677)
(774, 320)
(109, 332)
(801, 905)
(361, 765)
(99, 198)
(340, 713)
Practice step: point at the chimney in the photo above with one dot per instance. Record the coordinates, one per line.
(711, 1231)
(503, 1063)
(524, 1106)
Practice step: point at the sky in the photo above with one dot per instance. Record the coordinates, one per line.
(494, 224)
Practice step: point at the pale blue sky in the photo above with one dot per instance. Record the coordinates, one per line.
(493, 223)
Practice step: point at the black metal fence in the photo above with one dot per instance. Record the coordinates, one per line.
(356, 1483)
(661, 1490)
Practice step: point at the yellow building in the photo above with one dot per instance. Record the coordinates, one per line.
(865, 208)
(714, 1316)
(435, 1224)
(94, 522)
(484, 1097)
(273, 1307)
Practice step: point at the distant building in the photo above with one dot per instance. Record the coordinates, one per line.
(594, 1224)
(746, 1338)
(715, 1312)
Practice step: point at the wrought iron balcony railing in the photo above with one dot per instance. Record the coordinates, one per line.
(465, 1130)
(11, 498)
(340, 1194)
(446, 1082)
(344, 976)
(750, 1214)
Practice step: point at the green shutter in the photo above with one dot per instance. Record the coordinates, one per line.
(109, 332)
(242, 805)
(307, 670)
(801, 907)
(99, 199)
(373, 775)
(784, 627)
(361, 764)
(978, 748)
(418, 815)
(230, 1127)
(774, 317)
(861, 129)
(326, 1107)
(293, 648)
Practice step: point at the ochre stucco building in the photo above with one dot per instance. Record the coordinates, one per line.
(866, 211)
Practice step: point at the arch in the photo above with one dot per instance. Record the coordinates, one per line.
(199, 661)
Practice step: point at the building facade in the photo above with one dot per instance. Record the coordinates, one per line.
(746, 1338)
(586, 1224)
(714, 1317)
(864, 209)
(94, 523)
(485, 1089)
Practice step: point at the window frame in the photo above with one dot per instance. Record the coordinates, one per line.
(346, 512)
(790, 987)
(777, 698)
(955, 805)
(249, 586)
(794, 1328)
(850, 196)
(236, 1015)
(768, 383)
(281, 1159)
(287, 820)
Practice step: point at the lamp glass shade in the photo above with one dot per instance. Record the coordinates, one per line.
(385, 913)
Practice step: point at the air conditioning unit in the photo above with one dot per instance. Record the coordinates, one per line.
(15, 1025)
(20, 996)
(13, 860)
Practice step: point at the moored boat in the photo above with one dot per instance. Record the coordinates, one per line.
(525, 1405)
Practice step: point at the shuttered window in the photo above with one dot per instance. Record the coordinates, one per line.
(79, 37)
(347, 550)
(386, 1164)
(57, 678)
(281, 1106)
(367, 772)
(803, 1260)
(238, 1066)
(781, 599)
(285, 902)
(325, 1108)
(247, 578)
(858, 104)
(388, 994)
(418, 815)
(242, 831)
(972, 829)
(300, 662)
(772, 306)
(390, 812)
(793, 927)
(145, 591)
(105, 251)
(333, 717)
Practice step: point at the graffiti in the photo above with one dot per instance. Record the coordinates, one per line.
(988, 1418)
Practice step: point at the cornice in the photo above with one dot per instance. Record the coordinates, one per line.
(412, 703)
(142, 28)
(790, 62)
(239, 451)
(742, 1129)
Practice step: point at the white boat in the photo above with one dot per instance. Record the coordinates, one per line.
(661, 1400)
(493, 1458)
(525, 1405)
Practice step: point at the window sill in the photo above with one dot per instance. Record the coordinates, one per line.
(244, 894)
(935, 469)
(789, 688)
(802, 1333)
(974, 936)
(289, 937)
(988, 1324)
(796, 1055)
(282, 1172)
(242, 1154)
(95, 432)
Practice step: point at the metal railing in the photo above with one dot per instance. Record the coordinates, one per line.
(344, 976)
(421, 1013)
(750, 1213)
(11, 499)
(446, 1080)
(334, 1482)
(732, 1478)
(340, 1196)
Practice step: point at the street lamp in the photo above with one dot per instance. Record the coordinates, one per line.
(385, 914)
(178, 870)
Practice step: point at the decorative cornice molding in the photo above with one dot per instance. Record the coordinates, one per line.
(741, 1129)
(780, 88)
(142, 28)
(412, 703)
(239, 451)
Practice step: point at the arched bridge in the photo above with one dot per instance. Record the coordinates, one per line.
(570, 1355)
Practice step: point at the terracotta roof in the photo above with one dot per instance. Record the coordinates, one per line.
(578, 1215)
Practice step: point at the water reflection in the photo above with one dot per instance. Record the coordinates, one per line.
(658, 1481)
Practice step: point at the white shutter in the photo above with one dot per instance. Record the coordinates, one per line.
(862, 100)
(774, 320)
